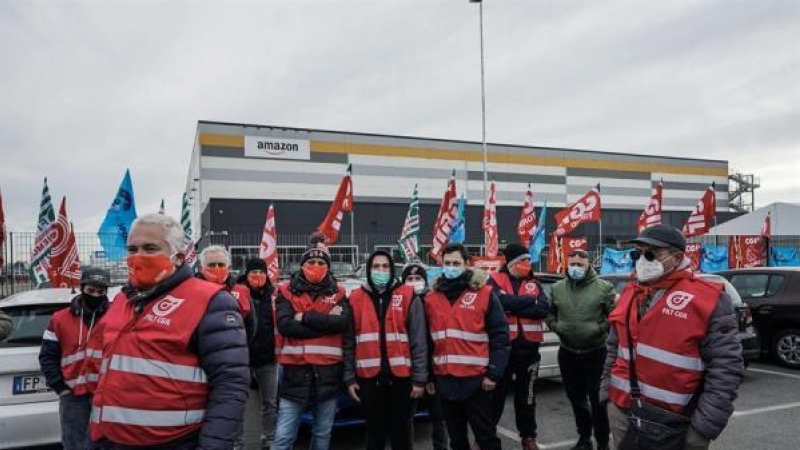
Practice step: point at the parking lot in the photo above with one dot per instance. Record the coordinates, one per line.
(767, 417)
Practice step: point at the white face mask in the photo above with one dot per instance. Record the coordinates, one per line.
(419, 286)
(648, 270)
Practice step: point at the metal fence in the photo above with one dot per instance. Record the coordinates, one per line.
(346, 255)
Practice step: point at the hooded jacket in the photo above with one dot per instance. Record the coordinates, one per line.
(50, 353)
(460, 388)
(300, 381)
(415, 324)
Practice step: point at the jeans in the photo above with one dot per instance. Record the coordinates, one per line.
(289, 414)
(475, 410)
(619, 426)
(74, 412)
(580, 373)
(524, 368)
(389, 412)
(267, 381)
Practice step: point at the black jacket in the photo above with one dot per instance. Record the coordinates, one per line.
(416, 326)
(310, 383)
(460, 388)
(262, 340)
(50, 352)
(221, 345)
(522, 306)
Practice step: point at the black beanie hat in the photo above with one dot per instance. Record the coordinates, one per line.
(316, 249)
(255, 264)
(514, 251)
(414, 268)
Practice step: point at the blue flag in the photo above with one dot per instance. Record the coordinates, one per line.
(539, 236)
(459, 230)
(784, 257)
(616, 261)
(713, 258)
(113, 232)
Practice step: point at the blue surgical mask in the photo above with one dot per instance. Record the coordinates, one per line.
(451, 272)
(380, 279)
(576, 272)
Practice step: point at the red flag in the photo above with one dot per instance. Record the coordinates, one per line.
(766, 229)
(444, 220)
(2, 229)
(269, 246)
(65, 268)
(491, 239)
(702, 218)
(652, 212)
(560, 248)
(693, 253)
(746, 251)
(341, 204)
(586, 209)
(527, 220)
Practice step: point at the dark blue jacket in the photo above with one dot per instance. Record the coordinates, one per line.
(221, 345)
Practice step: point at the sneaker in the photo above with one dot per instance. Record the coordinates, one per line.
(583, 444)
(529, 443)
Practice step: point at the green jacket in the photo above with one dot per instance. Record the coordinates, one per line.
(579, 312)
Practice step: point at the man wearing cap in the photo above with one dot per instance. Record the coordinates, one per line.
(525, 305)
(70, 355)
(312, 315)
(673, 335)
(579, 310)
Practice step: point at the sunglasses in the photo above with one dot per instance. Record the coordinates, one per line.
(648, 255)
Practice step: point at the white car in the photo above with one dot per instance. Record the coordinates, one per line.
(28, 408)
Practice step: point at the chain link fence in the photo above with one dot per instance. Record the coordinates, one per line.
(346, 256)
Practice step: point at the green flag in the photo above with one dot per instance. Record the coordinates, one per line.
(43, 242)
(186, 223)
(409, 237)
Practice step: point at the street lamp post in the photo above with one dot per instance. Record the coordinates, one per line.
(483, 102)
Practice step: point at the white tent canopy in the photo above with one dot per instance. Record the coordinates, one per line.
(785, 221)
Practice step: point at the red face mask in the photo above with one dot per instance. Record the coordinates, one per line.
(146, 271)
(522, 268)
(315, 274)
(257, 280)
(215, 274)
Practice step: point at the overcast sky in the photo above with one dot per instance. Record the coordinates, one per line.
(88, 89)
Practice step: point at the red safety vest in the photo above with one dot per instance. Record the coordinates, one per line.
(530, 329)
(368, 333)
(666, 342)
(321, 351)
(242, 295)
(153, 389)
(80, 349)
(458, 331)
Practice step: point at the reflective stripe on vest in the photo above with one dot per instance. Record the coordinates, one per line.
(156, 368)
(374, 337)
(311, 350)
(673, 398)
(459, 334)
(663, 356)
(147, 417)
(530, 329)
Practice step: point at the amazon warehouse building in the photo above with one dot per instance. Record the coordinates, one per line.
(238, 170)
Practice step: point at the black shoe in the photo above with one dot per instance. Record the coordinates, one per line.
(583, 444)
(603, 446)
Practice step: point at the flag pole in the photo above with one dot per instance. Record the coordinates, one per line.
(599, 231)
(353, 236)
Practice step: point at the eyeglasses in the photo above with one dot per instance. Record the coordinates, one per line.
(648, 255)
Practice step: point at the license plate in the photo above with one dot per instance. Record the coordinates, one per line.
(29, 384)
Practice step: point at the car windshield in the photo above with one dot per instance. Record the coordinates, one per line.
(28, 323)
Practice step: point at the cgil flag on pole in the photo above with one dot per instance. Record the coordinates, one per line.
(701, 219)
(343, 203)
(186, 223)
(491, 240)
(444, 219)
(409, 236)
(268, 250)
(652, 212)
(65, 267)
(40, 256)
(113, 232)
(586, 209)
(527, 220)
(766, 228)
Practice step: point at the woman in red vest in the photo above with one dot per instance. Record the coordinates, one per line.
(680, 333)
(312, 315)
(385, 354)
(525, 304)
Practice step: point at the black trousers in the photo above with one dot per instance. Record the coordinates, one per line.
(389, 412)
(438, 426)
(524, 369)
(475, 410)
(580, 373)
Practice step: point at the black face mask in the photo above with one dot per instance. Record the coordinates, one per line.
(93, 302)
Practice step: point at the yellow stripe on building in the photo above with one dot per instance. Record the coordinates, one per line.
(234, 141)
